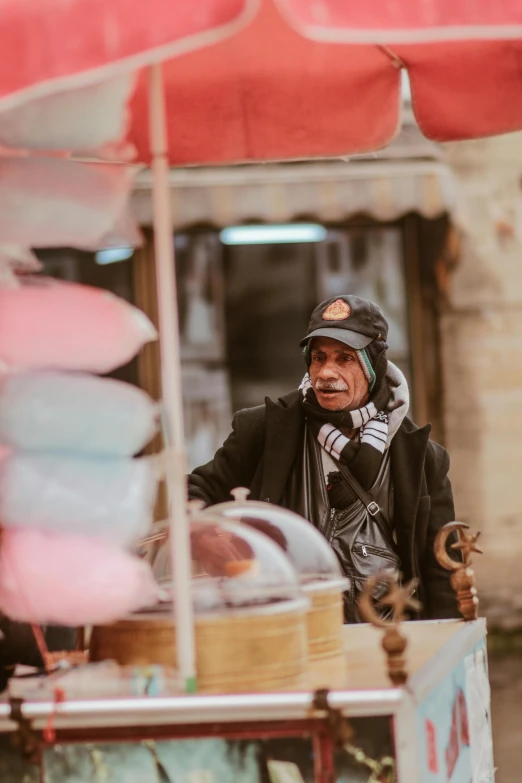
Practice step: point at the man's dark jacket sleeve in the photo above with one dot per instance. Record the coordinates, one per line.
(440, 601)
(235, 463)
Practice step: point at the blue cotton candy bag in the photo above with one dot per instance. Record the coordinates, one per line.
(111, 499)
(75, 413)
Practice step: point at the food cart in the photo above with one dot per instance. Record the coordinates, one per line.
(436, 728)
(273, 83)
(412, 705)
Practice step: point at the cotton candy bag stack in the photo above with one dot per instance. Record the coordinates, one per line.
(74, 498)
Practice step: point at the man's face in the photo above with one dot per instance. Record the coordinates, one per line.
(337, 376)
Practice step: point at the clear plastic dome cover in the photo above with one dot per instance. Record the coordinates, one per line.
(233, 567)
(308, 550)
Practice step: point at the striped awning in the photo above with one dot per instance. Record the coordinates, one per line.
(329, 191)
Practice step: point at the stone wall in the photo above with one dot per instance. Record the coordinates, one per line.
(481, 335)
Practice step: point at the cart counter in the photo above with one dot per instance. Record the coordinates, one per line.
(435, 728)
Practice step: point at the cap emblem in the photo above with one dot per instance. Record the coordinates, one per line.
(337, 311)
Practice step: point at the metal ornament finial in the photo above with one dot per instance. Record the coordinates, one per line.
(467, 546)
(463, 577)
(399, 598)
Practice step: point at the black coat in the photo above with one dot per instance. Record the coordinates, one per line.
(260, 453)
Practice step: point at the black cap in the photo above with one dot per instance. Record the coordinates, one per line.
(351, 320)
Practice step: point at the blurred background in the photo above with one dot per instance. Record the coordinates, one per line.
(431, 232)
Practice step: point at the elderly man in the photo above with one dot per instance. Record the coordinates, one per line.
(341, 452)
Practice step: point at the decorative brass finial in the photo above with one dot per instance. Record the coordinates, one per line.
(467, 545)
(399, 598)
(240, 494)
(463, 577)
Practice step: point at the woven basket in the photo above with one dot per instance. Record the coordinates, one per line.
(326, 658)
(239, 652)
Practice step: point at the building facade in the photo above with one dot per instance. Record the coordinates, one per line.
(434, 235)
(481, 342)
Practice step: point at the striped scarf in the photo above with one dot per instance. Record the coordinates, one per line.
(363, 455)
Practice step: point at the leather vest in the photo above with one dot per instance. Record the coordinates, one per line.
(362, 543)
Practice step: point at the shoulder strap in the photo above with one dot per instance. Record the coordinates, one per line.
(371, 506)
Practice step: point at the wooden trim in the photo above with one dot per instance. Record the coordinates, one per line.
(435, 235)
(415, 319)
(423, 242)
(149, 361)
(144, 279)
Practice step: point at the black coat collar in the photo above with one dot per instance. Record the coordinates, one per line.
(408, 454)
(284, 427)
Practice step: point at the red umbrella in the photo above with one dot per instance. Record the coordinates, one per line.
(57, 45)
(299, 78)
(383, 21)
(463, 58)
(270, 93)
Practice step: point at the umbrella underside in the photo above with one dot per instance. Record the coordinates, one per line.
(244, 85)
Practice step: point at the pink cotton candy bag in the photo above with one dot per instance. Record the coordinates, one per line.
(50, 324)
(69, 580)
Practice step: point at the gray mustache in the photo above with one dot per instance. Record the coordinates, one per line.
(330, 385)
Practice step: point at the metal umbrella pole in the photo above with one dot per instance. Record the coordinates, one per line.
(179, 537)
